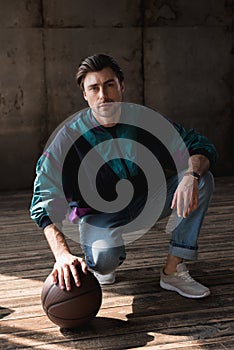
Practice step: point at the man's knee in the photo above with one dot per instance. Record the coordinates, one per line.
(104, 259)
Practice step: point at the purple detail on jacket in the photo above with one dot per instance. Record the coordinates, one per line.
(77, 213)
(46, 154)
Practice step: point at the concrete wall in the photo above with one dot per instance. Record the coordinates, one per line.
(189, 75)
(177, 57)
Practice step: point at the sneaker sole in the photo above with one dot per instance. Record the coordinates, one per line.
(106, 283)
(175, 289)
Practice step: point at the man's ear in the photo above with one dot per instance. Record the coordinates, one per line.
(122, 86)
(84, 95)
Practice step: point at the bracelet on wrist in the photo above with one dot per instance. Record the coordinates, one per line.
(193, 174)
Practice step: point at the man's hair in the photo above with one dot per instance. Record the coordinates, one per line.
(96, 63)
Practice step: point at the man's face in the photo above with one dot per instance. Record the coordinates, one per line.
(101, 89)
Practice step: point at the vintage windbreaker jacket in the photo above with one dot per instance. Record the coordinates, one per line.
(114, 156)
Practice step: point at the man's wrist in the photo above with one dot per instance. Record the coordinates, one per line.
(57, 241)
(194, 174)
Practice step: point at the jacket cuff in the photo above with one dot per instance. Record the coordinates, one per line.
(45, 221)
(204, 153)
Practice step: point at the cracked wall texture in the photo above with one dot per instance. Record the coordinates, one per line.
(177, 57)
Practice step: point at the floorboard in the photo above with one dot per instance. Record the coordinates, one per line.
(135, 313)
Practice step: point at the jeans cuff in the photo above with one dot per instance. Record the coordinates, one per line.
(184, 253)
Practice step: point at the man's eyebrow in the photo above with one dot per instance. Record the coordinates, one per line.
(105, 82)
(92, 85)
(109, 81)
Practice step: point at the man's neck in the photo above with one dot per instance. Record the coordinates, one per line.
(107, 122)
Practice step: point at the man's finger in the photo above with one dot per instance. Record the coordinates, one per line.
(173, 204)
(75, 275)
(84, 266)
(66, 277)
(61, 279)
(179, 205)
(188, 204)
(54, 275)
(194, 203)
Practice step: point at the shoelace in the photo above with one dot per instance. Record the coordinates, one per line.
(185, 276)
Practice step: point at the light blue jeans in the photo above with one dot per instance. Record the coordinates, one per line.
(102, 239)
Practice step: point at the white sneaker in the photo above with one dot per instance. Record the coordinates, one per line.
(182, 283)
(105, 279)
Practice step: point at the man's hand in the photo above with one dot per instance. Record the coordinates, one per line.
(66, 263)
(65, 268)
(185, 198)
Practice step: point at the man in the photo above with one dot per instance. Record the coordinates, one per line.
(102, 83)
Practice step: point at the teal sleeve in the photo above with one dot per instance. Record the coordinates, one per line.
(197, 143)
(48, 203)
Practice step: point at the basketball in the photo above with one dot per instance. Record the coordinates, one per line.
(74, 308)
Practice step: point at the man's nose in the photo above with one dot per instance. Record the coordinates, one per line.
(102, 93)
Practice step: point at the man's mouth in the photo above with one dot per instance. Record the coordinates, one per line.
(105, 105)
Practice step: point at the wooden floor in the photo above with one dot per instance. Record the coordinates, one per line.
(136, 313)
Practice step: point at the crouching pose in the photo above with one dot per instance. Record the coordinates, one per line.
(103, 126)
